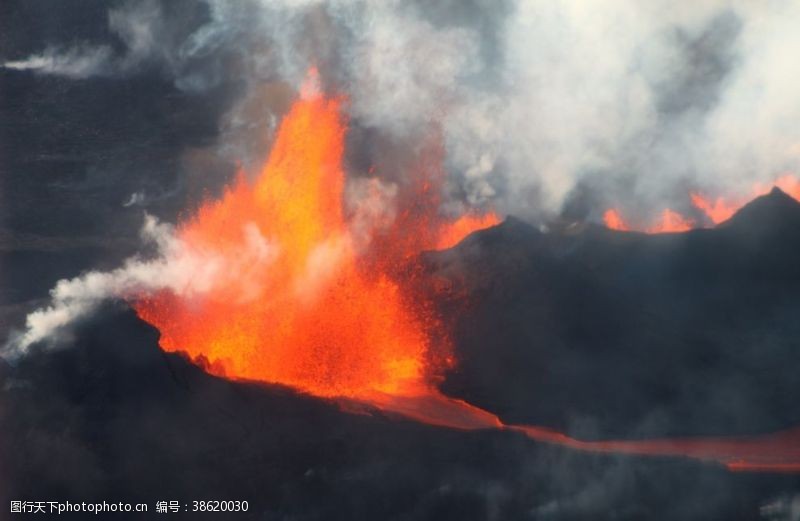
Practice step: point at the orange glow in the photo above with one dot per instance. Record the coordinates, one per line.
(300, 301)
(613, 220)
(774, 453)
(723, 209)
(717, 209)
(466, 224)
(671, 222)
(301, 309)
(788, 183)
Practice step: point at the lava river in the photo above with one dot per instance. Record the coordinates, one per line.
(312, 299)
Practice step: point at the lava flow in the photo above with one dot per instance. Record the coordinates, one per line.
(307, 301)
(775, 453)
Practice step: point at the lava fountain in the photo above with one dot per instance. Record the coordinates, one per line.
(307, 301)
(306, 312)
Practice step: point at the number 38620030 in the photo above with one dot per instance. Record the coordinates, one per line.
(220, 506)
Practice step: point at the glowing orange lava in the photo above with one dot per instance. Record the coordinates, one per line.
(722, 209)
(300, 309)
(671, 222)
(717, 209)
(787, 182)
(299, 298)
(614, 220)
(774, 453)
(462, 227)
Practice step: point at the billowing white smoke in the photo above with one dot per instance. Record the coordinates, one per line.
(176, 267)
(641, 100)
(638, 100)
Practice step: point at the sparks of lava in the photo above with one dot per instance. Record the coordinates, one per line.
(614, 220)
(312, 310)
(307, 313)
(716, 210)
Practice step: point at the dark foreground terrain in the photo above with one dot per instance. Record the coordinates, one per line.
(609, 334)
(600, 333)
(114, 418)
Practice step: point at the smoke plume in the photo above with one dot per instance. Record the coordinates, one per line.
(535, 100)
(175, 267)
(536, 103)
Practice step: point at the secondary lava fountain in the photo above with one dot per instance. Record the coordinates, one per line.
(307, 301)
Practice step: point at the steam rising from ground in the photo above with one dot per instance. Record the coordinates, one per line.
(175, 267)
(540, 103)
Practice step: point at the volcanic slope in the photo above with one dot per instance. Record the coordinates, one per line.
(605, 334)
(113, 416)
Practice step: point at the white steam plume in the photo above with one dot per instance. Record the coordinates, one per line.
(140, 26)
(638, 101)
(77, 62)
(183, 270)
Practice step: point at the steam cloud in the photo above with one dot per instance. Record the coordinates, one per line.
(536, 102)
(175, 267)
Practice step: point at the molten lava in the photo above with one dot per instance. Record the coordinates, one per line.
(299, 297)
(722, 209)
(462, 227)
(301, 309)
(775, 453)
(614, 220)
(671, 222)
(716, 210)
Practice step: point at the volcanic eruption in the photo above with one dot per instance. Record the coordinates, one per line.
(419, 260)
(331, 312)
(318, 310)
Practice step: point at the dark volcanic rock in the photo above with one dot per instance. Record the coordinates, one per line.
(110, 417)
(609, 333)
(774, 213)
